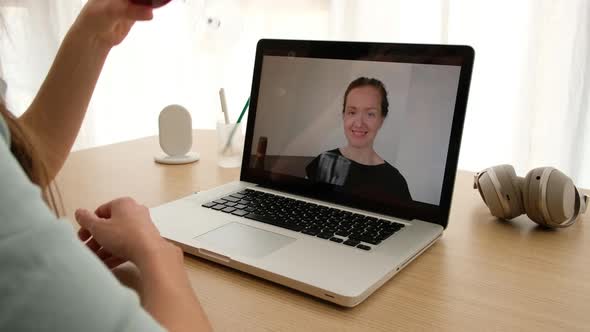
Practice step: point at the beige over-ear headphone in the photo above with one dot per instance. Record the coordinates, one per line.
(545, 194)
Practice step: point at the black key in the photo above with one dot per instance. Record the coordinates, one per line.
(250, 209)
(384, 223)
(331, 211)
(219, 207)
(219, 201)
(369, 228)
(370, 232)
(311, 231)
(371, 240)
(240, 213)
(343, 233)
(236, 195)
(364, 247)
(261, 218)
(228, 209)
(336, 239)
(244, 201)
(239, 206)
(355, 236)
(230, 204)
(352, 243)
(231, 199)
(388, 227)
(296, 228)
(325, 235)
(345, 228)
(304, 223)
(358, 227)
(209, 205)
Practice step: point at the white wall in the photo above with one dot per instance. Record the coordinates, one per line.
(300, 104)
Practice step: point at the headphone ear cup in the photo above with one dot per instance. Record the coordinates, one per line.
(500, 189)
(560, 198)
(510, 190)
(549, 196)
(489, 195)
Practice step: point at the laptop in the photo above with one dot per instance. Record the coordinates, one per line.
(350, 156)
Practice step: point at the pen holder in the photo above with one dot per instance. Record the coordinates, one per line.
(230, 145)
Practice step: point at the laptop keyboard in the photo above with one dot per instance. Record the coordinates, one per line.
(348, 228)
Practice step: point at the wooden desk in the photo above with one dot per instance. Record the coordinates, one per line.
(483, 274)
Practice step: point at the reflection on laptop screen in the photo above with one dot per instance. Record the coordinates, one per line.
(366, 128)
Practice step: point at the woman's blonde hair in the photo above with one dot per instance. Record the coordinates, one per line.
(29, 159)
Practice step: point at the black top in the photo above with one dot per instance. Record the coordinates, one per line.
(381, 182)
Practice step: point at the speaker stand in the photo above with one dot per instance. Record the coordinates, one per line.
(188, 158)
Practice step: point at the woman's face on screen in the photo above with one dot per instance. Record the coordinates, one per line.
(362, 116)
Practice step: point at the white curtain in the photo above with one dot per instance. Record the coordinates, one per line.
(529, 102)
(30, 33)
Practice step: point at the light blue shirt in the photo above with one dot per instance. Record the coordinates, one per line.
(49, 281)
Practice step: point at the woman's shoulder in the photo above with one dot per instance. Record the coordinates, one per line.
(21, 205)
(390, 169)
(331, 154)
(44, 263)
(333, 151)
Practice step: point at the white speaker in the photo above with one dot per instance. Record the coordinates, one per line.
(176, 136)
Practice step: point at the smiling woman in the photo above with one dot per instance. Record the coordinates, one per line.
(365, 107)
(357, 168)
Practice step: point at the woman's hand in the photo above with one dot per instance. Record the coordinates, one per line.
(123, 230)
(118, 231)
(109, 21)
(104, 255)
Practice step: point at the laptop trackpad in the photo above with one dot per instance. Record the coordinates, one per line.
(244, 240)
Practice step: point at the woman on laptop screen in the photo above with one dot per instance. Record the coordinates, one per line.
(356, 167)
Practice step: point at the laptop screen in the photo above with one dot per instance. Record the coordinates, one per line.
(361, 124)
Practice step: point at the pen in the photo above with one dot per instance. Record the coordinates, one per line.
(223, 105)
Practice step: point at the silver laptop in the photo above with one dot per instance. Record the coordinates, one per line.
(348, 168)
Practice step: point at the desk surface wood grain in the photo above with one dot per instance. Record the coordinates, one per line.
(483, 274)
